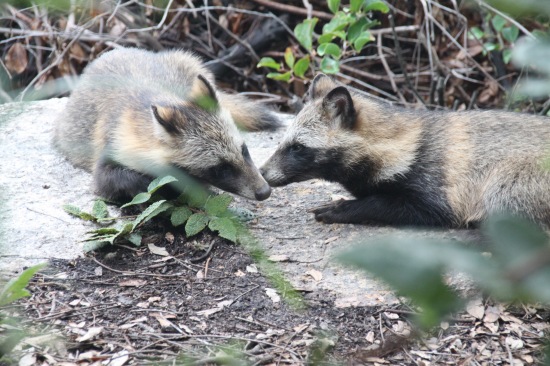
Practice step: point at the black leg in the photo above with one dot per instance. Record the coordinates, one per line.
(118, 183)
(384, 209)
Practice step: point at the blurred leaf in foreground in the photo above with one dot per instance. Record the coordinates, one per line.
(519, 268)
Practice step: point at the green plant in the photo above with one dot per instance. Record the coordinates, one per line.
(197, 211)
(12, 291)
(499, 35)
(346, 34)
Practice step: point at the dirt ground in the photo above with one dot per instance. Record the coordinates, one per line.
(130, 306)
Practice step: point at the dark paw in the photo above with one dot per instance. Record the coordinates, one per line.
(330, 213)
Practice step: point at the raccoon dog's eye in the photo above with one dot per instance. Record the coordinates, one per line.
(222, 171)
(295, 148)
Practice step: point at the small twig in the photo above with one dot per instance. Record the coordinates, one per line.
(293, 9)
(399, 53)
(205, 255)
(473, 100)
(245, 44)
(136, 273)
(545, 108)
(308, 7)
(390, 73)
(381, 327)
(241, 295)
(52, 65)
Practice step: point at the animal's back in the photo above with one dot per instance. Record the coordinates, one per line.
(493, 162)
(121, 80)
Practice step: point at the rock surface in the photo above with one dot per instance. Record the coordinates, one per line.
(36, 181)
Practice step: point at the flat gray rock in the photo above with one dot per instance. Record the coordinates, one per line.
(36, 181)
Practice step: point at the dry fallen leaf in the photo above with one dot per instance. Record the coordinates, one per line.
(492, 314)
(317, 276)
(252, 268)
(98, 271)
(164, 323)
(158, 250)
(169, 237)
(272, 295)
(16, 58)
(132, 283)
(119, 358)
(28, 360)
(92, 332)
(514, 343)
(300, 328)
(75, 302)
(475, 308)
(370, 337)
(240, 273)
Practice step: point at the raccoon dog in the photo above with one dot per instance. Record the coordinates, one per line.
(137, 114)
(408, 167)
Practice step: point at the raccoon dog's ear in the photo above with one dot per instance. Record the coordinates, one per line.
(203, 94)
(165, 118)
(320, 86)
(338, 105)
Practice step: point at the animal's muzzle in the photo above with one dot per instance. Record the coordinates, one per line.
(263, 192)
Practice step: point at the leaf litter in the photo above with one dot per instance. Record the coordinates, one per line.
(160, 309)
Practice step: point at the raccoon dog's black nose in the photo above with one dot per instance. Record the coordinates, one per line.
(263, 193)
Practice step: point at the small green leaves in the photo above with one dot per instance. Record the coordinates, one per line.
(498, 22)
(329, 65)
(195, 208)
(329, 49)
(269, 62)
(99, 211)
(355, 6)
(159, 182)
(75, 211)
(154, 186)
(364, 38)
(151, 211)
(340, 21)
(289, 57)
(180, 215)
(507, 55)
(304, 33)
(376, 5)
(195, 224)
(476, 33)
(138, 199)
(301, 66)
(333, 5)
(15, 288)
(217, 205)
(225, 228)
(510, 34)
(281, 77)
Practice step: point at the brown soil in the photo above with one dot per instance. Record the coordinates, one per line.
(131, 305)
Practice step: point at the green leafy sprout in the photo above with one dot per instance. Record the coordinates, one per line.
(346, 34)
